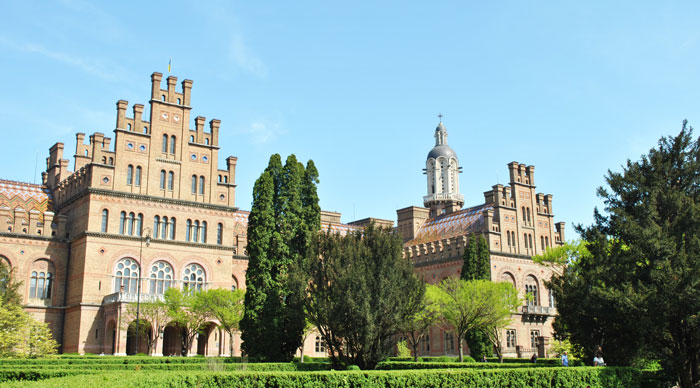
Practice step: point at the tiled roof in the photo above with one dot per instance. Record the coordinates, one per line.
(451, 225)
(241, 224)
(27, 196)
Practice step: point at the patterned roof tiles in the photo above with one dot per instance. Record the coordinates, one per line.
(451, 225)
(26, 196)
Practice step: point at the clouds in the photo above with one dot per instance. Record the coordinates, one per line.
(245, 58)
(262, 131)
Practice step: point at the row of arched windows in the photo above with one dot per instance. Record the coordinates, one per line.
(170, 181)
(196, 231)
(511, 238)
(194, 184)
(164, 227)
(42, 278)
(527, 239)
(223, 178)
(172, 139)
(526, 214)
(161, 277)
(129, 224)
(544, 241)
(206, 140)
(133, 176)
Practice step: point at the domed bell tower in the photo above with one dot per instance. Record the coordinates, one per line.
(442, 169)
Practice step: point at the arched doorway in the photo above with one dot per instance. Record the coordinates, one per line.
(111, 338)
(144, 330)
(172, 340)
(203, 338)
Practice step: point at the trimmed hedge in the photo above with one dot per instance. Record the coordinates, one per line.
(609, 377)
(395, 365)
(257, 367)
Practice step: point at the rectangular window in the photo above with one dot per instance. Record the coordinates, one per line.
(510, 338)
(320, 346)
(449, 343)
(426, 343)
(533, 338)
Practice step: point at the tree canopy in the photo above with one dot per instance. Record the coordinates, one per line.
(360, 294)
(227, 307)
(477, 266)
(284, 216)
(637, 291)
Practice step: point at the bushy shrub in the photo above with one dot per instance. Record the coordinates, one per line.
(353, 367)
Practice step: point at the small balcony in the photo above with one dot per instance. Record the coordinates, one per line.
(533, 313)
(130, 297)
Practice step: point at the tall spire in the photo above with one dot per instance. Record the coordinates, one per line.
(442, 169)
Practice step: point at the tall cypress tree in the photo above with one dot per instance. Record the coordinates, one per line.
(285, 211)
(477, 266)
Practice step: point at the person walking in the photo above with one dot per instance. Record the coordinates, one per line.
(564, 359)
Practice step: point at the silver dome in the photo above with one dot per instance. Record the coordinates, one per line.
(442, 150)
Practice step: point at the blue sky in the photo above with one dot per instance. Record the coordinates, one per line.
(574, 88)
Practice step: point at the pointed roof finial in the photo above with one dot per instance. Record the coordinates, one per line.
(440, 116)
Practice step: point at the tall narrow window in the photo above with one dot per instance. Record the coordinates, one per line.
(172, 145)
(204, 232)
(139, 224)
(165, 143)
(542, 242)
(162, 179)
(531, 291)
(188, 230)
(171, 229)
(194, 184)
(201, 184)
(40, 285)
(534, 335)
(195, 232)
(137, 177)
(105, 220)
(508, 233)
(524, 214)
(156, 226)
(129, 174)
(510, 338)
(130, 228)
(164, 228)
(219, 233)
(122, 222)
(529, 236)
(528, 215)
(171, 177)
(546, 241)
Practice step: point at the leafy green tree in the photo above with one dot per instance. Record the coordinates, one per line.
(475, 305)
(188, 311)
(284, 216)
(153, 315)
(477, 266)
(428, 315)
(637, 294)
(227, 307)
(9, 287)
(360, 294)
(23, 336)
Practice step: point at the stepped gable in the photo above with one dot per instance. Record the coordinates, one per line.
(241, 224)
(27, 196)
(460, 223)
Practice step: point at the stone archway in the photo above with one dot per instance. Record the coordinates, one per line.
(144, 333)
(203, 338)
(172, 340)
(110, 344)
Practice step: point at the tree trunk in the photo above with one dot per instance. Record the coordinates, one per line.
(415, 352)
(461, 349)
(230, 343)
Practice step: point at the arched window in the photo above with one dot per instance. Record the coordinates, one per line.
(195, 232)
(542, 242)
(161, 277)
(546, 241)
(206, 141)
(164, 228)
(508, 233)
(234, 283)
(130, 228)
(531, 291)
(40, 284)
(171, 229)
(508, 277)
(137, 178)
(188, 230)
(219, 178)
(529, 236)
(126, 274)
(104, 160)
(165, 144)
(191, 139)
(162, 179)
(194, 184)
(139, 224)
(193, 278)
(122, 222)
(156, 226)
(111, 160)
(528, 215)
(128, 127)
(179, 101)
(105, 220)
(201, 184)
(129, 174)
(219, 233)
(172, 145)
(524, 214)
(204, 232)
(225, 179)
(171, 177)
